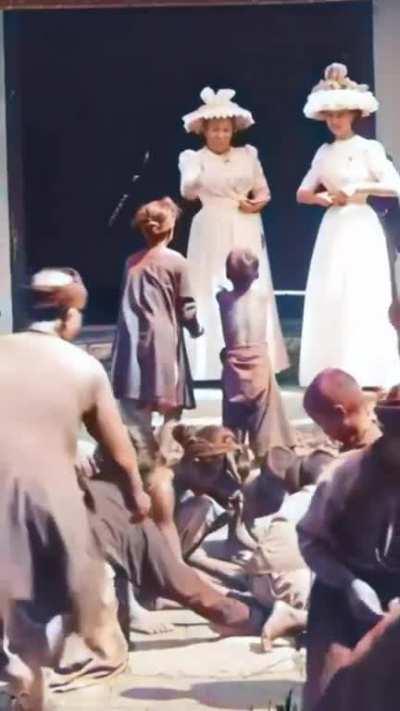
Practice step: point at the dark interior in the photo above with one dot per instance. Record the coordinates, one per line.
(98, 89)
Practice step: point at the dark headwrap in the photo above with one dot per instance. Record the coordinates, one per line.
(212, 441)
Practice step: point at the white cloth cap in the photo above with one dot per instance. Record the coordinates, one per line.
(217, 105)
(50, 279)
(337, 92)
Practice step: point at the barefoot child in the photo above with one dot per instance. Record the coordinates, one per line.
(150, 370)
(252, 403)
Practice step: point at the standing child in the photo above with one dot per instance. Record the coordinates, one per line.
(252, 402)
(150, 370)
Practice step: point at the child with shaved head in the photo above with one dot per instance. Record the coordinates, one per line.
(347, 533)
(336, 402)
(252, 403)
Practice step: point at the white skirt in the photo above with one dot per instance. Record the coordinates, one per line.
(345, 322)
(216, 230)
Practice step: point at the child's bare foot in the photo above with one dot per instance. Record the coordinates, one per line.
(284, 620)
(150, 623)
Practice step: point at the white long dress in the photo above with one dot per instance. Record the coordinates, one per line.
(221, 181)
(345, 322)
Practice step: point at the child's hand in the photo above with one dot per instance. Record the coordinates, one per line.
(236, 503)
(394, 314)
(199, 332)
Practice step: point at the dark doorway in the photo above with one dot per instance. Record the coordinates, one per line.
(99, 88)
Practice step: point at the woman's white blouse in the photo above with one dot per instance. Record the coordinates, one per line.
(355, 165)
(233, 175)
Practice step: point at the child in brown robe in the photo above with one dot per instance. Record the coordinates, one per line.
(252, 403)
(150, 369)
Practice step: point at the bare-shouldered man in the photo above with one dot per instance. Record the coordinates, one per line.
(49, 387)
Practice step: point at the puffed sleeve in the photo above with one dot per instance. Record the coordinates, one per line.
(313, 178)
(260, 187)
(385, 180)
(190, 170)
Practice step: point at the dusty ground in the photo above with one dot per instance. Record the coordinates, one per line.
(190, 668)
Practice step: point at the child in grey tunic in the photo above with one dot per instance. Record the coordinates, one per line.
(150, 370)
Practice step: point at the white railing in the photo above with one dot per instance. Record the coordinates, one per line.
(288, 292)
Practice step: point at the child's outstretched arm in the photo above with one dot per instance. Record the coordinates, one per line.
(186, 304)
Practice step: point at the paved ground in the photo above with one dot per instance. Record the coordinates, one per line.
(190, 668)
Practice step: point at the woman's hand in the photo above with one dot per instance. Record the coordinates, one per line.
(339, 199)
(251, 206)
(323, 199)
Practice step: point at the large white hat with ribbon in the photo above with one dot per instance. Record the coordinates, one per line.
(217, 105)
(337, 92)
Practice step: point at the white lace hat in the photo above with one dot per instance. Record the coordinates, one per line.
(217, 105)
(337, 92)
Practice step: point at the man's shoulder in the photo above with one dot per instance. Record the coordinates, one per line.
(76, 359)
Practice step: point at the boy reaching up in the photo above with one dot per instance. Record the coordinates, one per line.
(252, 403)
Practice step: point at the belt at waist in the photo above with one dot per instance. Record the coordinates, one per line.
(353, 200)
(251, 350)
(220, 203)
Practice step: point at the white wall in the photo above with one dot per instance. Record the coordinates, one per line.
(5, 275)
(387, 73)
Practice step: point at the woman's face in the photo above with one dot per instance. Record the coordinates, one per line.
(340, 123)
(218, 135)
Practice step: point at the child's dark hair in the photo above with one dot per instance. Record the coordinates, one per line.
(156, 218)
(242, 266)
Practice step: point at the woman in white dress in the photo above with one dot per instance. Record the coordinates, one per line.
(233, 190)
(346, 323)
